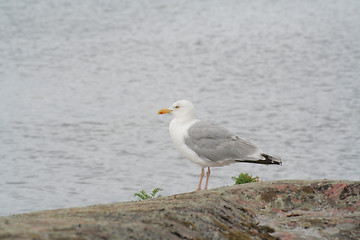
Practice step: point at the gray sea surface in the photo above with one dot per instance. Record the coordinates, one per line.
(81, 83)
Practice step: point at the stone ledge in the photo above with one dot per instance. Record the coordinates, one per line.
(287, 209)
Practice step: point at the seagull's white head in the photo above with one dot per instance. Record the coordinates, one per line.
(180, 109)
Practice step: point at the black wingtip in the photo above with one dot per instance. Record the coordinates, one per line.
(271, 160)
(268, 160)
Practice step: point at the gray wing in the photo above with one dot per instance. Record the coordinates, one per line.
(218, 144)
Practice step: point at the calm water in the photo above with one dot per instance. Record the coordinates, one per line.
(81, 83)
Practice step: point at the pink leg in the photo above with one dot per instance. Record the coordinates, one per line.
(201, 177)
(207, 178)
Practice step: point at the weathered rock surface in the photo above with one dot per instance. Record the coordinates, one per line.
(266, 210)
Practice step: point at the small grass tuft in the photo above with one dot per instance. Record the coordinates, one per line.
(245, 178)
(142, 195)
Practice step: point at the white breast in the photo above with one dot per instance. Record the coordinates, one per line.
(178, 131)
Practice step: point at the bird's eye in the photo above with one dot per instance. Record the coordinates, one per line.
(177, 106)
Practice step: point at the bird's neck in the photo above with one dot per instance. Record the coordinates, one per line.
(179, 126)
(184, 120)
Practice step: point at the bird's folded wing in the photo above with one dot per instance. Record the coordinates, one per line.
(218, 144)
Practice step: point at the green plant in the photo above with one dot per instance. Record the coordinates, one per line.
(245, 178)
(142, 195)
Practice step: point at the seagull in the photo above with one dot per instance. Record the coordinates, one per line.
(209, 145)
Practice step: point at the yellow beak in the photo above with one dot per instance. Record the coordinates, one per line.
(165, 110)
